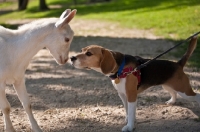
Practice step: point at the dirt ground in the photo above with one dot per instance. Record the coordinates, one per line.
(65, 99)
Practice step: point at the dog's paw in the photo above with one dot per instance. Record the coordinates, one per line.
(128, 128)
(170, 102)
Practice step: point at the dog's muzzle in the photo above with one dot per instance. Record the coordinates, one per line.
(73, 58)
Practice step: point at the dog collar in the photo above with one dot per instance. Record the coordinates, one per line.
(121, 67)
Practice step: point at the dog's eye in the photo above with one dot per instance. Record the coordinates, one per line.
(66, 39)
(88, 53)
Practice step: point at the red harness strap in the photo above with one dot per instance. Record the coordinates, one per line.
(130, 70)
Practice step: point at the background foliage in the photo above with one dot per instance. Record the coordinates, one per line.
(174, 20)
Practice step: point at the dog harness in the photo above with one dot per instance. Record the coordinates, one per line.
(123, 72)
(129, 70)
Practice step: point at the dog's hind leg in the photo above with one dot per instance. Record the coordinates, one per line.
(186, 91)
(181, 84)
(173, 94)
(23, 96)
(5, 106)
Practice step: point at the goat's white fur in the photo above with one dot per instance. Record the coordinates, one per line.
(17, 47)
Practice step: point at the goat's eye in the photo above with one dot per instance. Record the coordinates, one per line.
(88, 53)
(66, 39)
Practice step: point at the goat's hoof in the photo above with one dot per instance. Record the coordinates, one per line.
(128, 129)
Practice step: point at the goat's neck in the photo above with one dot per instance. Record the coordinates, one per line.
(29, 42)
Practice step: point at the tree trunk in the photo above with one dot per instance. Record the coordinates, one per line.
(43, 5)
(22, 4)
(75, 2)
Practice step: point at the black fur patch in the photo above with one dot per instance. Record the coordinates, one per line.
(155, 73)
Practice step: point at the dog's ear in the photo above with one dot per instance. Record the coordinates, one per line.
(107, 63)
(66, 16)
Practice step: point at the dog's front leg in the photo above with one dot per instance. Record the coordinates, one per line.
(131, 94)
(23, 96)
(124, 101)
(131, 117)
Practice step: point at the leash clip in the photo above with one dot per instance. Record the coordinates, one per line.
(129, 73)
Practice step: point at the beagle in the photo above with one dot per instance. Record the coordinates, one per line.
(129, 83)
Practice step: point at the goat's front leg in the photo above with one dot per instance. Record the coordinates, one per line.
(23, 96)
(5, 106)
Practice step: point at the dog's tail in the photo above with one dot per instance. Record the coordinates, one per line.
(191, 48)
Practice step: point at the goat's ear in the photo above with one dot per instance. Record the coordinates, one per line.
(65, 13)
(66, 19)
(107, 63)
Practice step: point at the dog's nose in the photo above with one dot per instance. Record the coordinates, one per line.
(73, 58)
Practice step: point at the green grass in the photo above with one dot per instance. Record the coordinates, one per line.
(174, 20)
(166, 18)
(3, 5)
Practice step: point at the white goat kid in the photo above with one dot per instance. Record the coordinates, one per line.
(17, 47)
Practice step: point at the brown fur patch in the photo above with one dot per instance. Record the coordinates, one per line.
(101, 58)
(90, 61)
(131, 88)
(180, 83)
(108, 63)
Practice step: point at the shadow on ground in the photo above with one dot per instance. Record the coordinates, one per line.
(75, 95)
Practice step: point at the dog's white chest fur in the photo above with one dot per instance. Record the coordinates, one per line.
(120, 87)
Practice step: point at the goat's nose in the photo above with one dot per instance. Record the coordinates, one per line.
(73, 58)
